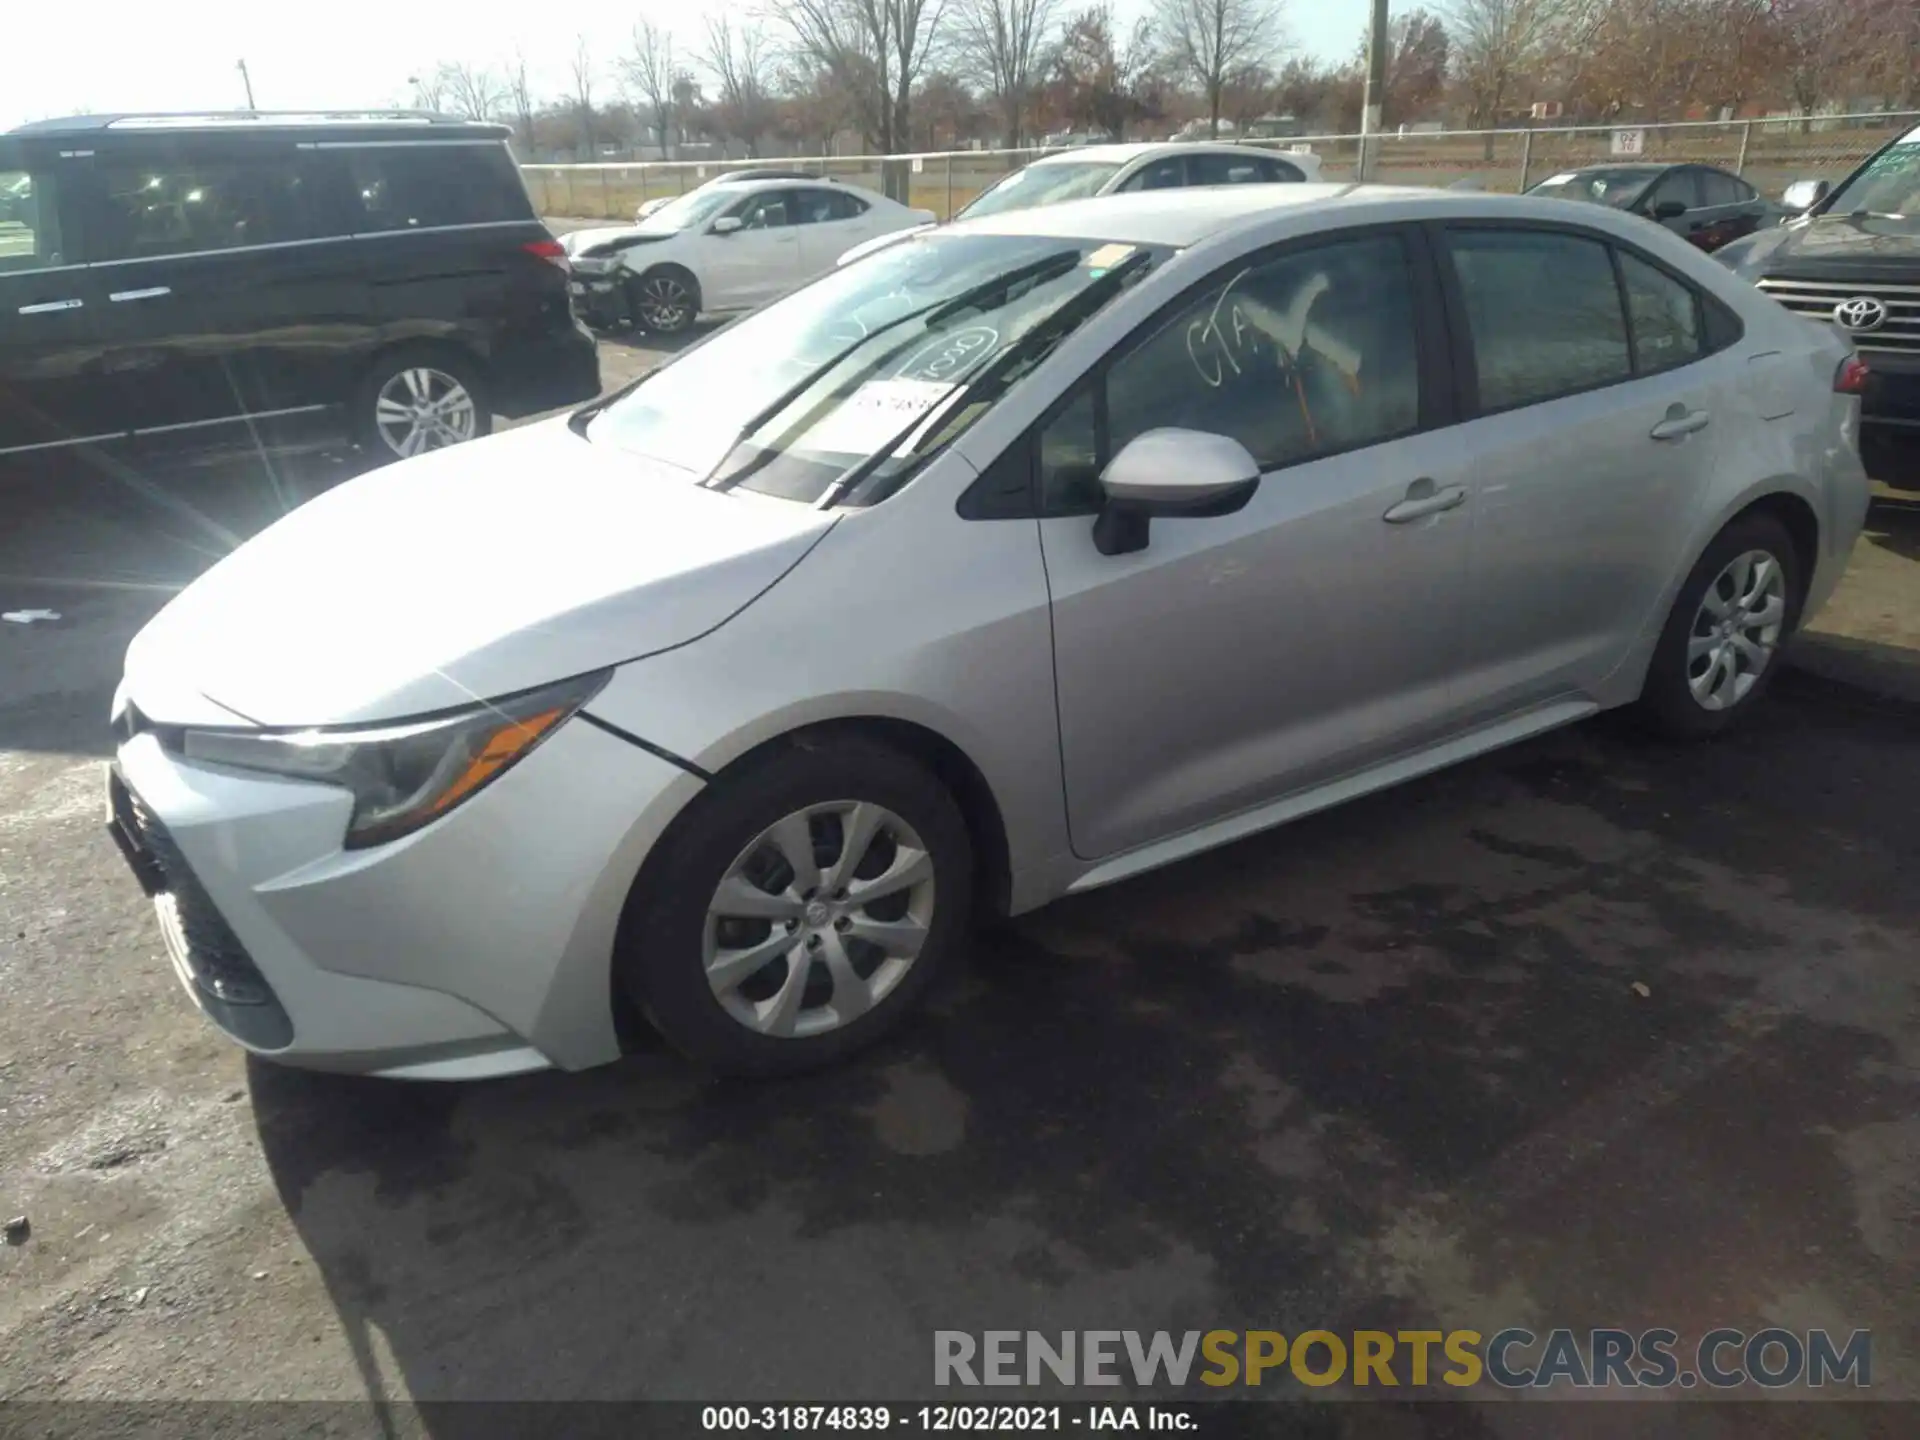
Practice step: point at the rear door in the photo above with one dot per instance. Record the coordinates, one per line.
(231, 295)
(1592, 451)
(1732, 209)
(53, 388)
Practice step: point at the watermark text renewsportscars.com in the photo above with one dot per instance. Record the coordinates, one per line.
(1512, 1359)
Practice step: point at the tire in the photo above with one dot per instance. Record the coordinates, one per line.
(408, 379)
(665, 300)
(1690, 692)
(823, 989)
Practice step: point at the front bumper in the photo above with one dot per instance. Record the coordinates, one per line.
(477, 946)
(598, 299)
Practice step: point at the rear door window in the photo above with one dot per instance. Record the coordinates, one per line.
(167, 204)
(1544, 311)
(1718, 188)
(30, 229)
(1168, 174)
(1680, 185)
(1666, 313)
(430, 185)
(1216, 169)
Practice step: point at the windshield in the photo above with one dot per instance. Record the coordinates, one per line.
(1047, 183)
(1889, 185)
(870, 369)
(696, 207)
(1618, 188)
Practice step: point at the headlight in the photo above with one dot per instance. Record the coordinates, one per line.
(403, 776)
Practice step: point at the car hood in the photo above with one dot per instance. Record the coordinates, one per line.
(1836, 247)
(578, 242)
(469, 573)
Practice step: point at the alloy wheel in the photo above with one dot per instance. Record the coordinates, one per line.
(665, 303)
(421, 409)
(818, 919)
(1736, 631)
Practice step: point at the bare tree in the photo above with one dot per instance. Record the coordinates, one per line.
(430, 89)
(1004, 46)
(1099, 81)
(521, 95)
(1210, 41)
(1498, 45)
(473, 90)
(742, 65)
(873, 49)
(650, 71)
(583, 76)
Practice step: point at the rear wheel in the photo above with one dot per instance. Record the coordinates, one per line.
(414, 401)
(665, 301)
(1721, 646)
(801, 910)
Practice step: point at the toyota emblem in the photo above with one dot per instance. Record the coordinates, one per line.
(1862, 314)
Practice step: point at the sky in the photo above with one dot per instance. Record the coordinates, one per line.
(182, 54)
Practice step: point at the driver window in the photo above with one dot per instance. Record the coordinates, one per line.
(765, 212)
(1297, 357)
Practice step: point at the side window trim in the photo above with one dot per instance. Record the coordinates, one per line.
(1626, 311)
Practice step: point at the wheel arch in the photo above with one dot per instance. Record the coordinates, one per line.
(636, 274)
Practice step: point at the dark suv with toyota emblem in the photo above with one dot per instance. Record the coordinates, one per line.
(1853, 258)
(200, 282)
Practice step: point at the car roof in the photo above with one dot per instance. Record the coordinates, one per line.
(1631, 167)
(1141, 150)
(1180, 218)
(415, 124)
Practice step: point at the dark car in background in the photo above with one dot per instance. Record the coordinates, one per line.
(1699, 203)
(172, 282)
(1852, 259)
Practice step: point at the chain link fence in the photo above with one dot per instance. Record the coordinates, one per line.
(1769, 154)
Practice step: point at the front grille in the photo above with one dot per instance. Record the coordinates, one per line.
(1817, 300)
(241, 999)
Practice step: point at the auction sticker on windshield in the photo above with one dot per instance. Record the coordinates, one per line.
(874, 414)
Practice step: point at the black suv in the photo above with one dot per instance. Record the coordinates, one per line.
(1853, 258)
(260, 279)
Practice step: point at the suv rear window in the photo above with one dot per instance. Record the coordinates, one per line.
(413, 187)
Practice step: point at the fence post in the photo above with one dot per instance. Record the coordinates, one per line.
(949, 210)
(1746, 141)
(1526, 159)
(606, 196)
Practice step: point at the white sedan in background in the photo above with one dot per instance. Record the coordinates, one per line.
(731, 247)
(1089, 170)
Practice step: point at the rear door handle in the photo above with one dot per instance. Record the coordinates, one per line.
(1424, 499)
(48, 307)
(1678, 427)
(120, 297)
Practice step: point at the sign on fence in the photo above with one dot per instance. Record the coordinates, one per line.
(1629, 142)
(919, 165)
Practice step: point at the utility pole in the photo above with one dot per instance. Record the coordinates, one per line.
(247, 80)
(1375, 103)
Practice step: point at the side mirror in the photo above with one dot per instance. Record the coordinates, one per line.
(1167, 475)
(726, 225)
(1669, 210)
(1803, 195)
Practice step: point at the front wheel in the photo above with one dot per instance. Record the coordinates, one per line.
(1723, 640)
(801, 909)
(664, 301)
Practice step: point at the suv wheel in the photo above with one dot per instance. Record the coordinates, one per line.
(1723, 641)
(413, 402)
(665, 301)
(803, 909)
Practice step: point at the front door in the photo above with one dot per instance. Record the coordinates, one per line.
(758, 261)
(1239, 658)
(1592, 455)
(228, 297)
(53, 389)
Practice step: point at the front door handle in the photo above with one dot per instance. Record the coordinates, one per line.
(1425, 498)
(48, 307)
(1681, 423)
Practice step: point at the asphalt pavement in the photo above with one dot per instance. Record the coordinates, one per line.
(1594, 1031)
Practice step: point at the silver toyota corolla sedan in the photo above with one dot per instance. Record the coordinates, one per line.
(1016, 559)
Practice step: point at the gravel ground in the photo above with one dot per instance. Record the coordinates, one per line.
(1589, 1032)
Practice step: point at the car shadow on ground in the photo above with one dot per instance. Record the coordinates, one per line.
(1894, 525)
(1591, 1032)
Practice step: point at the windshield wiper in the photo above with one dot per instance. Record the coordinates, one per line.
(933, 314)
(1048, 332)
